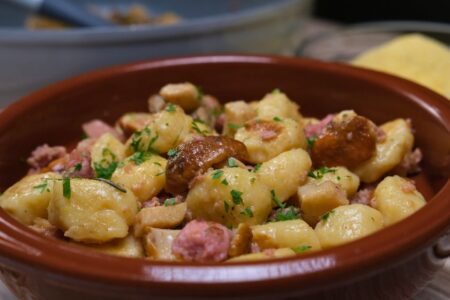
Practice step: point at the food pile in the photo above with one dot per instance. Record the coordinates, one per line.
(192, 180)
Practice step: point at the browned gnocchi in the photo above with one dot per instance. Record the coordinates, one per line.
(254, 180)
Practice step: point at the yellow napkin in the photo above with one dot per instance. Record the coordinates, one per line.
(414, 57)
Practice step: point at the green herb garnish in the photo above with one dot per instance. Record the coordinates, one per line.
(171, 107)
(77, 167)
(67, 192)
(216, 174)
(287, 214)
(104, 170)
(311, 141)
(42, 187)
(224, 182)
(301, 249)
(236, 196)
(319, 173)
(326, 216)
(277, 119)
(276, 200)
(234, 126)
(170, 202)
(226, 206)
(256, 168)
(247, 212)
(139, 157)
(276, 91)
(172, 152)
(232, 162)
(197, 129)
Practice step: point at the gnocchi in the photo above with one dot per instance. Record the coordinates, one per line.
(165, 185)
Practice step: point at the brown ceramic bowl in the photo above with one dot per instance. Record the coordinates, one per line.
(391, 264)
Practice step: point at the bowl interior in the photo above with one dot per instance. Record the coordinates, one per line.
(55, 115)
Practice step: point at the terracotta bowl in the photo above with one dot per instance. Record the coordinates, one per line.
(391, 264)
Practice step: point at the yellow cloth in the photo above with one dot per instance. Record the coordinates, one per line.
(414, 57)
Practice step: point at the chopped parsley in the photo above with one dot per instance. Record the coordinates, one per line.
(216, 174)
(77, 167)
(311, 141)
(247, 212)
(138, 137)
(226, 206)
(232, 162)
(224, 182)
(277, 119)
(171, 107)
(236, 196)
(252, 180)
(42, 187)
(290, 213)
(276, 91)
(172, 152)
(197, 129)
(234, 126)
(301, 249)
(319, 173)
(157, 163)
(67, 192)
(276, 200)
(199, 93)
(326, 216)
(139, 157)
(104, 170)
(170, 202)
(338, 177)
(256, 168)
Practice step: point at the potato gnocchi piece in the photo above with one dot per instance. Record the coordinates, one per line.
(185, 95)
(317, 199)
(340, 176)
(91, 211)
(236, 114)
(285, 234)
(277, 105)
(229, 196)
(266, 138)
(128, 247)
(389, 153)
(268, 254)
(143, 174)
(166, 217)
(106, 154)
(132, 122)
(397, 198)
(158, 244)
(167, 130)
(28, 198)
(292, 166)
(348, 223)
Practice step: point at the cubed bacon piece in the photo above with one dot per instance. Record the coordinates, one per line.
(202, 241)
(97, 128)
(44, 154)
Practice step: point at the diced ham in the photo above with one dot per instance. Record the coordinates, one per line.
(202, 241)
(363, 196)
(44, 154)
(316, 129)
(410, 163)
(408, 187)
(156, 103)
(79, 165)
(96, 128)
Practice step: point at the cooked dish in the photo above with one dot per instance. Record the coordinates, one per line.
(135, 14)
(165, 185)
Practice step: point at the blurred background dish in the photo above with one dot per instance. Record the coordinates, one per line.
(32, 59)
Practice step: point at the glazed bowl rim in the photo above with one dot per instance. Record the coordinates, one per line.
(21, 245)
